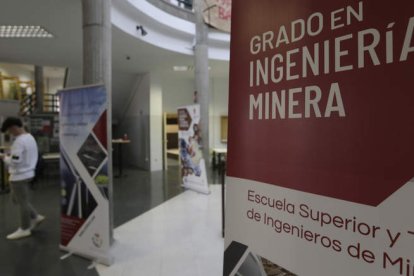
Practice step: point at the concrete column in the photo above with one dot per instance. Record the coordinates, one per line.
(202, 77)
(97, 42)
(39, 88)
(97, 64)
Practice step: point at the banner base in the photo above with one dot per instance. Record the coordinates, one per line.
(102, 259)
(201, 190)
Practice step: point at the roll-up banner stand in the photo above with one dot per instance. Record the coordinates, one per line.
(321, 138)
(85, 176)
(193, 167)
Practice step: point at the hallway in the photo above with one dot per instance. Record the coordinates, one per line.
(134, 194)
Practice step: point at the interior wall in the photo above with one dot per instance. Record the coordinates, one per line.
(9, 108)
(26, 73)
(142, 112)
(135, 122)
(179, 92)
(176, 92)
(53, 85)
(74, 77)
(15, 70)
(156, 123)
(219, 107)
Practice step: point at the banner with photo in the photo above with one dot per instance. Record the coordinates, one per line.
(85, 179)
(217, 13)
(193, 168)
(321, 130)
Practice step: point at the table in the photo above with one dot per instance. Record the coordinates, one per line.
(174, 153)
(218, 155)
(52, 156)
(51, 159)
(119, 143)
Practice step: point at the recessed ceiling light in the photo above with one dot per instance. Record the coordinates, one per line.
(23, 31)
(185, 68)
(181, 68)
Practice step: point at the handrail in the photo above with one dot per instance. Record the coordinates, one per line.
(51, 103)
(174, 7)
(185, 4)
(27, 97)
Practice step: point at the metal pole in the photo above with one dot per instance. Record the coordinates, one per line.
(39, 88)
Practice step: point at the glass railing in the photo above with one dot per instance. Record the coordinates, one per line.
(217, 13)
(185, 4)
(28, 104)
(12, 88)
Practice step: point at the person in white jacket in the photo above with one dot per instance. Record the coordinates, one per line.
(21, 162)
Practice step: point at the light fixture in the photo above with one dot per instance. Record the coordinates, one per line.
(181, 68)
(143, 31)
(23, 31)
(184, 68)
(29, 90)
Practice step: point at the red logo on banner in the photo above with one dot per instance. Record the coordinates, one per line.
(224, 9)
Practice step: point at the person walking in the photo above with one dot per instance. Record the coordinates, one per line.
(21, 162)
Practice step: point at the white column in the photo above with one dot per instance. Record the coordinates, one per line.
(202, 77)
(97, 64)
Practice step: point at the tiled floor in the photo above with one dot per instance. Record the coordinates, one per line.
(134, 194)
(178, 238)
(39, 254)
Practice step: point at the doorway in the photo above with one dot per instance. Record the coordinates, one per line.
(171, 151)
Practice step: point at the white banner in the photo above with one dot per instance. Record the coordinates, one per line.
(193, 168)
(274, 223)
(85, 180)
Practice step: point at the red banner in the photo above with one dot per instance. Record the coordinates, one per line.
(321, 96)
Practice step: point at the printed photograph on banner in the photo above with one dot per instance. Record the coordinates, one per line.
(98, 145)
(193, 170)
(93, 156)
(102, 180)
(77, 203)
(191, 155)
(77, 200)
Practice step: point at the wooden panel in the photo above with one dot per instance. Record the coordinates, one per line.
(172, 140)
(171, 128)
(223, 128)
(170, 137)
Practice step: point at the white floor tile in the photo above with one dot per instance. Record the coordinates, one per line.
(178, 238)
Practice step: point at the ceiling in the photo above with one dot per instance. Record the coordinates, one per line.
(130, 56)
